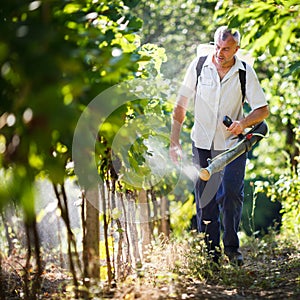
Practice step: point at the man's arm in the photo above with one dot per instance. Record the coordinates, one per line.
(256, 116)
(179, 113)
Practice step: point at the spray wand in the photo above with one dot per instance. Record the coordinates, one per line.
(245, 144)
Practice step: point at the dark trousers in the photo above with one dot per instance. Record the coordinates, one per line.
(223, 193)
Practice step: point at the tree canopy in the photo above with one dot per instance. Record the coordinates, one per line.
(119, 65)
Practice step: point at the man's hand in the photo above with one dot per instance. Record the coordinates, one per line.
(256, 116)
(236, 128)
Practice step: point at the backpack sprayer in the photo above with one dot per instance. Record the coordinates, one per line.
(245, 144)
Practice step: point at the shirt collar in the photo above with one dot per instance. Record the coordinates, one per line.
(238, 64)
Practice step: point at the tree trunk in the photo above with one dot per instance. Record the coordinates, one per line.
(133, 232)
(165, 220)
(7, 230)
(73, 256)
(106, 234)
(92, 234)
(126, 246)
(291, 145)
(144, 219)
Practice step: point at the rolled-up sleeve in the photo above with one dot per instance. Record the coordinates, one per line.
(187, 88)
(254, 93)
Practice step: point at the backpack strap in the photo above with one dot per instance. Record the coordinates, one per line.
(199, 66)
(242, 75)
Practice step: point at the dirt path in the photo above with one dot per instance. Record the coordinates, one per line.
(270, 273)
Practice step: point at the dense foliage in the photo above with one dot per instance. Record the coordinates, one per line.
(179, 27)
(276, 44)
(119, 64)
(56, 56)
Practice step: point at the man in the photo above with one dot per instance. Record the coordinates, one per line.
(217, 93)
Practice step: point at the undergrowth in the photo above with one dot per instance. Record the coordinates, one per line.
(182, 269)
(272, 264)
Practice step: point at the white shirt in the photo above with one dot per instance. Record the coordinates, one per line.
(214, 99)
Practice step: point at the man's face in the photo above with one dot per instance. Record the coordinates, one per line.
(225, 51)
